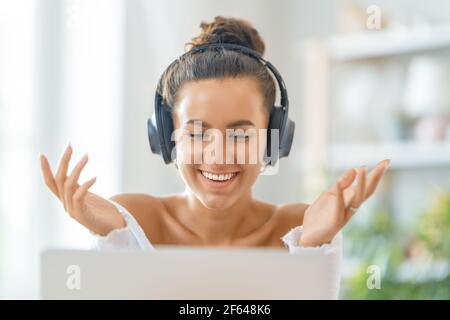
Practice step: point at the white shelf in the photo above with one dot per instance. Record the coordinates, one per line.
(388, 42)
(318, 155)
(404, 155)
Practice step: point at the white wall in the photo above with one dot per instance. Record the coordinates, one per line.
(61, 80)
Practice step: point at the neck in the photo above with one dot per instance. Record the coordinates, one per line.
(217, 226)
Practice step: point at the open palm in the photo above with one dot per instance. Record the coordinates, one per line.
(333, 209)
(91, 210)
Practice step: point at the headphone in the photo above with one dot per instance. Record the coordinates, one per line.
(160, 125)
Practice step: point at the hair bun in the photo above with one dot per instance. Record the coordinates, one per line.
(228, 30)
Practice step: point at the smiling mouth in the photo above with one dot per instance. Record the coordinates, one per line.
(219, 179)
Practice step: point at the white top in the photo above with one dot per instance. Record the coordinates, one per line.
(133, 237)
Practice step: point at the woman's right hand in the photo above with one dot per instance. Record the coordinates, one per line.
(92, 211)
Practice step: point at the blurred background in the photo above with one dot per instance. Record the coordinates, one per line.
(367, 80)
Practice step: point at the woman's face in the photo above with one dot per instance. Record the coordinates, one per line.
(220, 125)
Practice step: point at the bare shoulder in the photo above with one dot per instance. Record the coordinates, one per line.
(290, 215)
(138, 203)
(283, 218)
(146, 209)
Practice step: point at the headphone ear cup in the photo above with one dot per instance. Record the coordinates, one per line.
(275, 120)
(287, 138)
(159, 129)
(153, 136)
(166, 123)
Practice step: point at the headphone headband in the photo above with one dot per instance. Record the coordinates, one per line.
(252, 53)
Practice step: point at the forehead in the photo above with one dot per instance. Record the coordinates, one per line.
(220, 100)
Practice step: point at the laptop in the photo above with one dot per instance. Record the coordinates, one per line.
(186, 273)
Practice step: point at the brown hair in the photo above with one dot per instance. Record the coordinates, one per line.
(220, 64)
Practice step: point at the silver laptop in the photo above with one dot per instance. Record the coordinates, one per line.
(185, 273)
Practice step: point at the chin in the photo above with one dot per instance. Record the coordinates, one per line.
(216, 202)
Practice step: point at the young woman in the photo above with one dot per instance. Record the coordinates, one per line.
(222, 89)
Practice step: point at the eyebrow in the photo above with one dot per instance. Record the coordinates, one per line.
(230, 125)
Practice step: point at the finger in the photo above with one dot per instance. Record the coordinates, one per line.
(340, 206)
(61, 174)
(360, 187)
(359, 190)
(374, 177)
(345, 181)
(48, 175)
(71, 183)
(80, 193)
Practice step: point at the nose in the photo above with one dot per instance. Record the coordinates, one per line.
(215, 149)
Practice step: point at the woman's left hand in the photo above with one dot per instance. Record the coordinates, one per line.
(333, 209)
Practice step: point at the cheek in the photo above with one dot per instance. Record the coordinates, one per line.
(252, 152)
(188, 152)
(188, 173)
(252, 172)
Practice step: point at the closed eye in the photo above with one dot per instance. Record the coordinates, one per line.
(196, 135)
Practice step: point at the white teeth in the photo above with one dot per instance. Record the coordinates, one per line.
(218, 177)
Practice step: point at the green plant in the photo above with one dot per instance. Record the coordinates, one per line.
(405, 256)
(434, 227)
